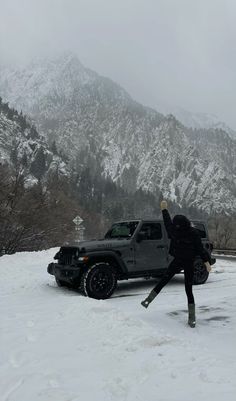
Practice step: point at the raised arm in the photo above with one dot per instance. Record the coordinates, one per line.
(167, 219)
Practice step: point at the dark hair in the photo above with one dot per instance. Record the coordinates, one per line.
(181, 222)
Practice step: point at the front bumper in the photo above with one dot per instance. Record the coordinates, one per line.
(65, 273)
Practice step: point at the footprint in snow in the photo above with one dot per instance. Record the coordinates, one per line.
(100, 309)
(14, 361)
(177, 312)
(132, 348)
(17, 359)
(53, 383)
(31, 338)
(154, 342)
(118, 388)
(204, 309)
(218, 318)
(30, 323)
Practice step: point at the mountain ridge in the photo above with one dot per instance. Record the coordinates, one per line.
(135, 145)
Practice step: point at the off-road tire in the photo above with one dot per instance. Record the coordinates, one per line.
(200, 272)
(99, 281)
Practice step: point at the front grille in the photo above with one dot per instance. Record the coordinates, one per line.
(68, 256)
(65, 259)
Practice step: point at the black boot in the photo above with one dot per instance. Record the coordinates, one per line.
(191, 315)
(149, 299)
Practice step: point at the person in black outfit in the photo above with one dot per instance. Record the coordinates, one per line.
(185, 245)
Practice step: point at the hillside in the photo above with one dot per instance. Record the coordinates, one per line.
(90, 116)
(23, 148)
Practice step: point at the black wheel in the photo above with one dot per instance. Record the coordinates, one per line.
(99, 281)
(60, 283)
(200, 272)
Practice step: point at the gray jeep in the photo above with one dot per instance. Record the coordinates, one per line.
(130, 249)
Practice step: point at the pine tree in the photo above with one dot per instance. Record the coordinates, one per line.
(53, 148)
(38, 166)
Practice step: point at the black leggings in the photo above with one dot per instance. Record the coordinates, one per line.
(175, 267)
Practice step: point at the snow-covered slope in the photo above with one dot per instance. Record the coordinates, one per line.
(57, 345)
(196, 168)
(197, 120)
(21, 147)
(136, 146)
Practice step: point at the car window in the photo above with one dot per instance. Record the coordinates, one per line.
(200, 228)
(122, 230)
(152, 231)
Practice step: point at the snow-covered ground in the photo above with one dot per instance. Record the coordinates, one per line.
(56, 345)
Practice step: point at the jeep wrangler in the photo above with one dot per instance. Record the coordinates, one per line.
(130, 249)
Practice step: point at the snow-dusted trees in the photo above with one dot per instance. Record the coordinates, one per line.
(38, 165)
(223, 231)
(35, 217)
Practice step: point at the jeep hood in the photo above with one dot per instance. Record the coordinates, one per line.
(99, 245)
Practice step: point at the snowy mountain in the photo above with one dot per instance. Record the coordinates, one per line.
(22, 148)
(196, 120)
(87, 114)
(196, 167)
(202, 121)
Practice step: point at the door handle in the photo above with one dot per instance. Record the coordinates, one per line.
(160, 246)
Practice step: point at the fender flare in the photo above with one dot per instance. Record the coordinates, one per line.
(99, 256)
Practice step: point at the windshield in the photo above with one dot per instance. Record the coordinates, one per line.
(122, 230)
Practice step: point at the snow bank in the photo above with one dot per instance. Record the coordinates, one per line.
(57, 345)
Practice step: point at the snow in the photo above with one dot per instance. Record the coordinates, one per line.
(57, 345)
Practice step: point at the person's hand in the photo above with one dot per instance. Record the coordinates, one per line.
(163, 205)
(208, 266)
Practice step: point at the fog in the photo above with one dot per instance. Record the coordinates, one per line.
(177, 52)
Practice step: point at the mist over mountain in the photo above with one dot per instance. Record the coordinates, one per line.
(90, 117)
(196, 120)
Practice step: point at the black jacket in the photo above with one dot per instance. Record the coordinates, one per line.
(185, 242)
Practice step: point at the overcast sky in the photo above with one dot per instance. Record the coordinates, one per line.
(179, 52)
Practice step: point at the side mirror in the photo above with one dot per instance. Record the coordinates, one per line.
(141, 236)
